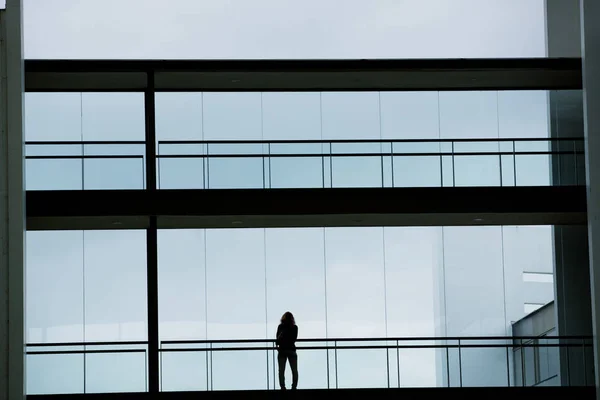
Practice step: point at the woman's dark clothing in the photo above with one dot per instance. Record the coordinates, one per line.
(286, 336)
(286, 347)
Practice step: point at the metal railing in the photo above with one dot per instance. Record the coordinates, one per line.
(324, 363)
(80, 165)
(77, 165)
(76, 359)
(450, 368)
(370, 163)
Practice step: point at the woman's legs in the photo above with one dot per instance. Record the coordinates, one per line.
(281, 358)
(293, 357)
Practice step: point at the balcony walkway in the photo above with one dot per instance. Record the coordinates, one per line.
(131, 209)
(525, 393)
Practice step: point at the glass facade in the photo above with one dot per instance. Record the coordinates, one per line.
(304, 140)
(221, 292)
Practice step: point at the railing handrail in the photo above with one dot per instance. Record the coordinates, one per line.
(325, 141)
(378, 339)
(387, 154)
(75, 344)
(81, 142)
(313, 340)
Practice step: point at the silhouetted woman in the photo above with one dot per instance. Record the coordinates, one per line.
(287, 333)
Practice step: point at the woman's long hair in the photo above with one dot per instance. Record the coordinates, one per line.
(288, 318)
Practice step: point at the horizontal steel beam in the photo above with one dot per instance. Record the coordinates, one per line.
(261, 208)
(304, 75)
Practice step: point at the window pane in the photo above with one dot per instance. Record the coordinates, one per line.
(113, 116)
(232, 116)
(52, 116)
(291, 116)
(114, 173)
(474, 294)
(409, 115)
(115, 285)
(53, 174)
(236, 303)
(468, 115)
(54, 278)
(236, 173)
(235, 283)
(413, 261)
(178, 116)
(182, 285)
(54, 374)
(350, 115)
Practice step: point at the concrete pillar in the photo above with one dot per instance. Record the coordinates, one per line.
(12, 202)
(590, 44)
(572, 282)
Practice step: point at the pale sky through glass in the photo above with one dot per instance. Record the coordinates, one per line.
(283, 29)
(236, 283)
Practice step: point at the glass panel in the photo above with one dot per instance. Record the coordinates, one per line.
(52, 116)
(523, 114)
(291, 116)
(54, 374)
(240, 370)
(115, 373)
(295, 268)
(355, 283)
(181, 173)
(372, 372)
(409, 115)
(312, 368)
(476, 147)
(54, 312)
(417, 171)
(236, 173)
(526, 249)
(468, 115)
(491, 360)
(178, 116)
(232, 116)
(181, 289)
(113, 173)
(350, 115)
(296, 172)
(417, 366)
(477, 170)
(533, 170)
(53, 174)
(113, 116)
(357, 172)
(412, 267)
(474, 281)
(53, 149)
(235, 267)
(474, 291)
(184, 371)
(115, 264)
(508, 170)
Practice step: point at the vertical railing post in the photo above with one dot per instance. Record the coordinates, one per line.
(523, 375)
(460, 378)
(447, 364)
(398, 360)
(335, 363)
(507, 367)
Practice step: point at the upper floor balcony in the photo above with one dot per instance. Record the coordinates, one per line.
(297, 164)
